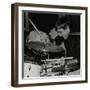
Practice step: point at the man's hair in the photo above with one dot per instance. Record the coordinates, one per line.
(62, 22)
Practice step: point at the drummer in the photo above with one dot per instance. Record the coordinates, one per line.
(60, 33)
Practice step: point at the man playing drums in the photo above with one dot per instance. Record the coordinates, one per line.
(60, 33)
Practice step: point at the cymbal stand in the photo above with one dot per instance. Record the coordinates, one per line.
(66, 66)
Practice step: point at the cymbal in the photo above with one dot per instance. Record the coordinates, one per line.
(53, 48)
(48, 47)
(35, 45)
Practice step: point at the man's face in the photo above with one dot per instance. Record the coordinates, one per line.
(60, 31)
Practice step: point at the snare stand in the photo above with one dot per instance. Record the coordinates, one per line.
(46, 54)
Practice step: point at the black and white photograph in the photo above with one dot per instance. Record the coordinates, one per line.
(49, 44)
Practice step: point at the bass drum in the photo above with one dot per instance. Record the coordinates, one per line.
(31, 70)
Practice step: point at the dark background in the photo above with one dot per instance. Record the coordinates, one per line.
(45, 22)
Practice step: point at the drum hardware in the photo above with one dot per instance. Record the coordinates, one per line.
(54, 65)
(45, 68)
(50, 66)
(66, 69)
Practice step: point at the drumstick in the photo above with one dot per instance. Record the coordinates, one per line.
(34, 26)
(51, 60)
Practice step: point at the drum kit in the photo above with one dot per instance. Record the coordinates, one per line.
(49, 67)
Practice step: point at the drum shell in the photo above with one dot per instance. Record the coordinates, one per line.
(31, 70)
